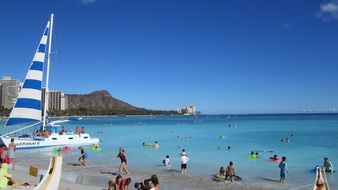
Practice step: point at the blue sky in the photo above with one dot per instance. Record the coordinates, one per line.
(234, 56)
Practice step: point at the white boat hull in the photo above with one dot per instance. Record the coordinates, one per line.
(321, 180)
(52, 177)
(52, 140)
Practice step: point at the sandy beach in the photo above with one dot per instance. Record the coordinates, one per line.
(95, 177)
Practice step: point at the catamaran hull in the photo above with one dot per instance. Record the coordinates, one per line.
(52, 140)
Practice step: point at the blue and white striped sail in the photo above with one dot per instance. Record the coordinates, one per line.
(28, 104)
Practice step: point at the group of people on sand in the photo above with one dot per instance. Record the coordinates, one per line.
(7, 156)
(121, 183)
(228, 173)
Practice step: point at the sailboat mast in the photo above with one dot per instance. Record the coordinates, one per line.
(47, 75)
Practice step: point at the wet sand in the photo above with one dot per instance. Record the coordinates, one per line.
(94, 177)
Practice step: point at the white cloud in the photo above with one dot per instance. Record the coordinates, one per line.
(329, 8)
(328, 11)
(87, 1)
(320, 110)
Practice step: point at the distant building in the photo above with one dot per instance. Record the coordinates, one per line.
(64, 102)
(56, 100)
(9, 90)
(189, 110)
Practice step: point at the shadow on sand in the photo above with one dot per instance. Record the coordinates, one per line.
(108, 172)
(174, 171)
(73, 164)
(268, 179)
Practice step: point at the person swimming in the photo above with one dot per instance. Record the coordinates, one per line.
(275, 157)
(156, 145)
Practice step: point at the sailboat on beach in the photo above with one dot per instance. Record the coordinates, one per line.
(27, 109)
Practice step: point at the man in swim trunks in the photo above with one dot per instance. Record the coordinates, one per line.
(230, 172)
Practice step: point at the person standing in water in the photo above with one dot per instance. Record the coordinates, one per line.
(166, 162)
(123, 157)
(11, 152)
(184, 162)
(83, 157)
(283, 169)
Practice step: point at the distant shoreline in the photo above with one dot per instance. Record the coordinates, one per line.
(231, 115)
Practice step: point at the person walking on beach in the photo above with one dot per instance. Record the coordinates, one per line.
(11, 152)
(184, 162)
(283, 169)
(123, 157)
(83, 157)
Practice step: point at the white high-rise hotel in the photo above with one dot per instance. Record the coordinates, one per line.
(189, 110)
(10, 88)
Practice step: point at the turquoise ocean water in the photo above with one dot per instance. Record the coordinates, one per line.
(311, 136)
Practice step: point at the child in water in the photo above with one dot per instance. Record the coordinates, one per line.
(166, 162)
(283, 169)
(328, 165)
